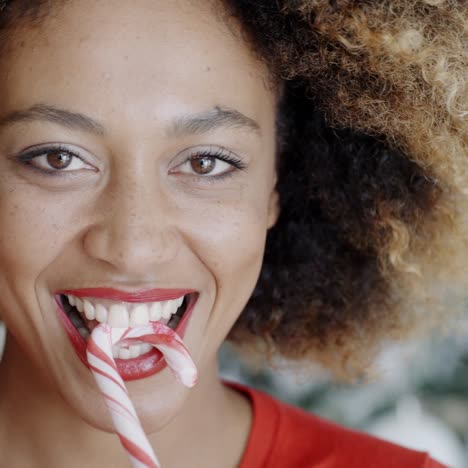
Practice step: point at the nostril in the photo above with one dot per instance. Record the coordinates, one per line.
(95, 242)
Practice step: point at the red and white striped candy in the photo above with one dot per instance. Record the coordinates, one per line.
(109, 381)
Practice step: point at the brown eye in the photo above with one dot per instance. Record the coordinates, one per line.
(55, 160)
(210, 165)
(59, 159)
(203, 165)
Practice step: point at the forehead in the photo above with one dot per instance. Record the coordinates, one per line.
(143, 56)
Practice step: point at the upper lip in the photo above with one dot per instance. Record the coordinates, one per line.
(146, 295)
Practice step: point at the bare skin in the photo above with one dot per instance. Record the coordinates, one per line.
(131, 212)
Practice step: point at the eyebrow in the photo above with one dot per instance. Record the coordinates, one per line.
(65, 118)
(207, 121)
(186, 125)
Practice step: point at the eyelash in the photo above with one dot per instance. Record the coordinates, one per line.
(218, 154)
(26, 159)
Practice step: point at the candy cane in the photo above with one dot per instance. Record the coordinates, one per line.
(109, 381)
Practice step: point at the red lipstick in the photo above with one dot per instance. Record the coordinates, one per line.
(147, 295)
(142, 366)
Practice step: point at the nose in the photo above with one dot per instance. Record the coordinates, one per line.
(134, 232)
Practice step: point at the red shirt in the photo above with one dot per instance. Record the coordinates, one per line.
(285, 437)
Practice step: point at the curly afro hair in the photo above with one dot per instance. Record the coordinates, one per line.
(371, 241)
(372, 140)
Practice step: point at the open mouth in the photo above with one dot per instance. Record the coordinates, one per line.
(87, 313)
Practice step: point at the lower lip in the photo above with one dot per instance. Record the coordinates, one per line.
(130, 369)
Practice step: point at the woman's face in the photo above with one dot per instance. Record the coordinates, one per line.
(103, 105)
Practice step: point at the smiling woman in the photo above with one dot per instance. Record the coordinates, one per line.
(275, 172)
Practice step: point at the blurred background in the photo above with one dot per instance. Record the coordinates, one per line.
(418, 397)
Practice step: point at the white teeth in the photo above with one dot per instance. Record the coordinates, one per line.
(132, 352)
(168, 308)
(155, 311)
(124, 353)
(101, 313)
(135, 350)
(79, 304)
(121, 315)
(145, 348)
(89, 310)
(118, 316)
(140, 315)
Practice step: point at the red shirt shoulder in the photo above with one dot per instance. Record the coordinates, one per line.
(285, 437)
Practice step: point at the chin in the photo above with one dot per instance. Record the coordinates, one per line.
(156, 406)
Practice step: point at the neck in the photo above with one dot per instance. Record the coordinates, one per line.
(38, 425)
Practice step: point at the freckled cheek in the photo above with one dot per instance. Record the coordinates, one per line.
(232, 248)
(30, 238)
(232, 251)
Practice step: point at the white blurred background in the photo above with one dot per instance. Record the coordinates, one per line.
(419, 399)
